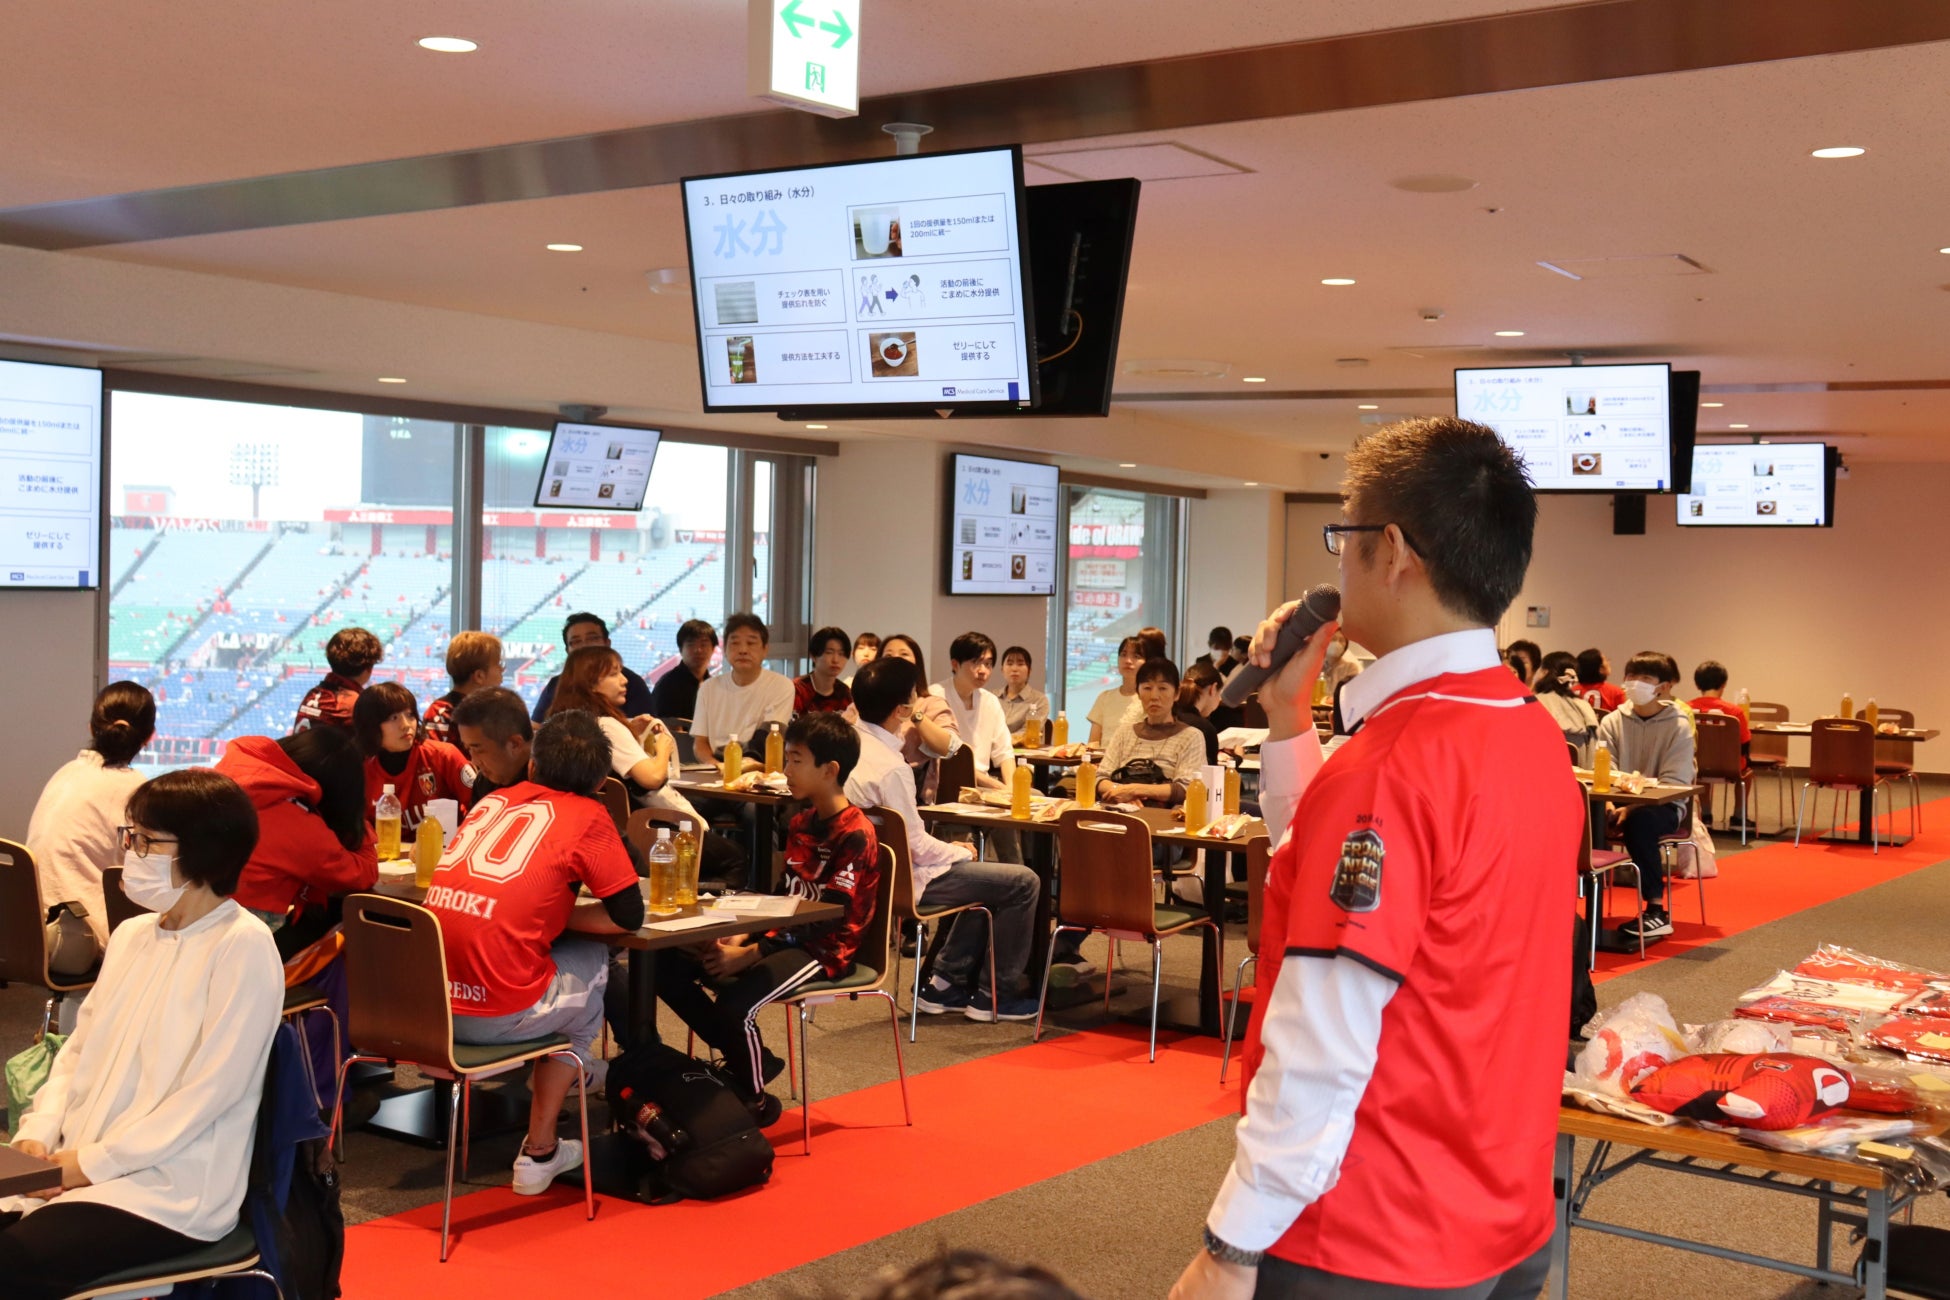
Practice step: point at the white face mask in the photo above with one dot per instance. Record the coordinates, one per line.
(149, 880)
(1641, 693)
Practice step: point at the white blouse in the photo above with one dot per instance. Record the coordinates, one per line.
(158, 1087)
(72, 833)
(625, 752)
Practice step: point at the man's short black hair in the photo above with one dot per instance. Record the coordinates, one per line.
(353, 650)
(692, 629)
(748, 623)
(1158, 670)
(1462, 501)
(816, 646)
(1711, 675)
(1218, 637)
(571, 753)
(375, 704)
(583, 616)
(1020, 653)
(1649, 663)
(211, 818)
(969, 647)
(1591, 667)
(1671, 673)
(882, 686)
(829, 738)
(499, 714)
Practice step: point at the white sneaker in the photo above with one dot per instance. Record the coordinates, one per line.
(533, 1176)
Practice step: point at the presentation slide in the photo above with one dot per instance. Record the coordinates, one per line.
(1783, 485)
(50, 475)
(1003, 538)
(1578, 428)
(890, 282)
(596, 467)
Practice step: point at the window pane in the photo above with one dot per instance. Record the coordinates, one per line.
(242, 536)
(1106, 589)
(642, 573)
(762, 472)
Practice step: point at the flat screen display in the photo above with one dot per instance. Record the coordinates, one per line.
(890, 284)
(50, 475)
(1778, 485)
(1579, 428)
(597, 467)
(1002, 538)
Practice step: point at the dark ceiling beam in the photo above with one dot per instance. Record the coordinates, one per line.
(1566, 45)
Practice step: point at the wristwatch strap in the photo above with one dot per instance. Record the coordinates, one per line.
(1226, 1253)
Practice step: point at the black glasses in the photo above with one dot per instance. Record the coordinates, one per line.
(1335, 535)
(141, 841)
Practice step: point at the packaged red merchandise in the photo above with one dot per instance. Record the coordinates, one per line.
(1932, 1003)
(1769, 1090)
(1792, 1011)
(1883, 1094)
(1925, 1039)
(1838, 994)
(1830, 962)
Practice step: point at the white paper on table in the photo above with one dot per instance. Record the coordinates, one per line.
(448, 811)
(685, 923)
(755, 905)
(1243, 737)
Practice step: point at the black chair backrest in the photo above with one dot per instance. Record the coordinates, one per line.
(23, 920)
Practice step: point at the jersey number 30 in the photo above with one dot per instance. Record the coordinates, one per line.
(497, 845)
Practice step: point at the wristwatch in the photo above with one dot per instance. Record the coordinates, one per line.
(1226, 1253)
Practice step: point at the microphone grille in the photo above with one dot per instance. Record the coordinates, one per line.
(1324, 600)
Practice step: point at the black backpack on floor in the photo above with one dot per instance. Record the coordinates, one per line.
(704, 1143)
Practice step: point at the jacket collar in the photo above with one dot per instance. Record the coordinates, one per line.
(1468, 651)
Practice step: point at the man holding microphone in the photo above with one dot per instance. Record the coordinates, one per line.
(1406, 1051)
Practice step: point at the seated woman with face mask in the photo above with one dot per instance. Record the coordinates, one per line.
(151, 1103)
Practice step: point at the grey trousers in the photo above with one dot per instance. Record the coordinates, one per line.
(1279, 1280)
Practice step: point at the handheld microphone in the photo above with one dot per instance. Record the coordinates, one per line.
(1320, 605)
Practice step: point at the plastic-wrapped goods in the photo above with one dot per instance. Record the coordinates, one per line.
(1933, 1003)
(1756, 1035)
(1844, 996)
(1629, 1042)
(1807, 1015)
(1768, 1090)
(1830, 962)
(1834, 1134)
(1914, 1036)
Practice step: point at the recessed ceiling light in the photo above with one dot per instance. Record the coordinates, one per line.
(815, 426)
(1127, 464)
(1943, 250)
(388, 379)
(1767, 442)
(448, 44)
(1509, 334)
(1252, 482)
(1737, 426)
(1337, 280)
(1712, 403)
(1368, 406)
(1840, 151)
(564, 248)
(1253, 379)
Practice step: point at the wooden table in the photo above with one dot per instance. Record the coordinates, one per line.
(1603, 940)
(763, 802)
(21, 1174)
(1049, 768)
(1848, 1194)
(1866, 801)
(1166, 829)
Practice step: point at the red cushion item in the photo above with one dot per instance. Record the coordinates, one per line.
(1770, 1090)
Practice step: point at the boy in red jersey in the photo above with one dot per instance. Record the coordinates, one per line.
(352, 654)
(517, 960)
(1406, 1051)
(831, 855)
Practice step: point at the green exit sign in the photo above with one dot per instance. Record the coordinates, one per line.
(806, 53)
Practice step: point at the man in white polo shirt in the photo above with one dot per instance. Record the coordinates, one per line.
(945, 875)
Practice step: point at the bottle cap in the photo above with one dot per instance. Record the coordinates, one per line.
(385, 790)
(686, 827)
(663, 832)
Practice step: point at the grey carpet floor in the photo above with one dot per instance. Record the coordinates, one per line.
(1124, 1226)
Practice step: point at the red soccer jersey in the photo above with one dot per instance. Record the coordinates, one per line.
(1439, 848)
(438, 721)
(1714, 704)
(505, 887)
(1603, 698)
(838, 860)
(434, 770)
(807, 700)
(328, 704)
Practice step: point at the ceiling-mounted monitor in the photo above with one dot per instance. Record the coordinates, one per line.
(1579, 428)
(50, 476)
(1761, 485)
(597, 467)
(893, 288)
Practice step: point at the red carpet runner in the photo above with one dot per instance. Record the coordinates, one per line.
(981, 1129)
(1775, 880)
